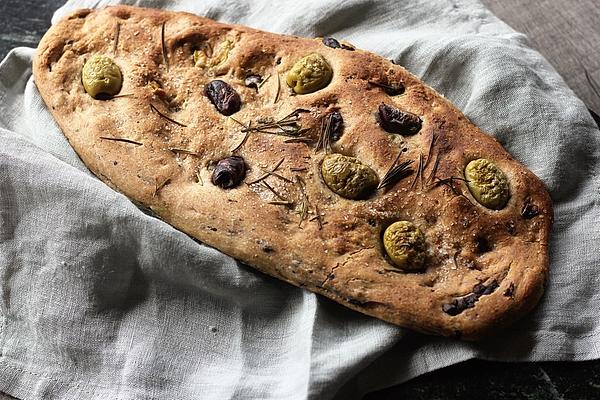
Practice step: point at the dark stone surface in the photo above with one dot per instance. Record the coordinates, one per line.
(484, 380)
(23, 22)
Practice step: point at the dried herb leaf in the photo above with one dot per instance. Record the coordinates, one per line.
(153, 108)
(116, 96)
(163, 46)
(317, 218)
(121, 140)
(332, 126)
(116, 40)
(286, 126)
(449, 182)
(396, 172)
(271, 172)
(303, 211)
(278, 89)
(184, 151)
(419, 171)
(157, 187)
(392, 90)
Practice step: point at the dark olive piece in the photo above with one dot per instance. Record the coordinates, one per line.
(394, 120)
(225, 99)
(529, 210)
(336, 125)
(334, 44)
(391, 90)
(460, 304)
(229, 172)
(331, 42)
(252, 81)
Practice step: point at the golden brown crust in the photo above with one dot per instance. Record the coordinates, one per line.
(339, 254)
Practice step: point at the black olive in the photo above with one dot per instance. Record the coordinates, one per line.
(394, 120)
(226, 100)
(334, 44)
(460, 304)
(229, 172)
(331, 42)
(529, 210)
(336, 125)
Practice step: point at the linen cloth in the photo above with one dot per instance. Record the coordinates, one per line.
(101, 301)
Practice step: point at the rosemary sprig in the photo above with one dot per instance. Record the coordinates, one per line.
(324, 136)
(153, 108)
(303, 200)
(424, 163)
(419, 171)
(157, 187)
(163, 47)
(434, 169)
(454, 257)
(116, 96)
(298, 169)
(246, 134)
(263, 81)
(183, 151)
(114, 139)
(449, 179)
(303, 139)
(280, 197)
(281, 202)
(278, 89)
(116, 42)
(286, 126)
(269, 173)
(317, 218)
(449, 182)
(396, 172)
(431, 144)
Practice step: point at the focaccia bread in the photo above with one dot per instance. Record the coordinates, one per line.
(325, 166)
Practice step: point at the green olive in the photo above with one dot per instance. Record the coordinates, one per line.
(101, 76)
(218, 56)
(347, 176)
(405, 245)
(309, 74)
(487, 183)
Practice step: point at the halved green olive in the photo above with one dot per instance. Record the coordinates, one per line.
(487, 183)
(405, 244)
(348, 176)
(101, 76)
(309, 74)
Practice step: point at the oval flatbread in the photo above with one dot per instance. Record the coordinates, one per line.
(325, 166)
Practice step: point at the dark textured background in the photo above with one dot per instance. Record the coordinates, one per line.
(566, 32)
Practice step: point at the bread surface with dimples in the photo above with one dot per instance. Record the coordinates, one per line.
(484, 268)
